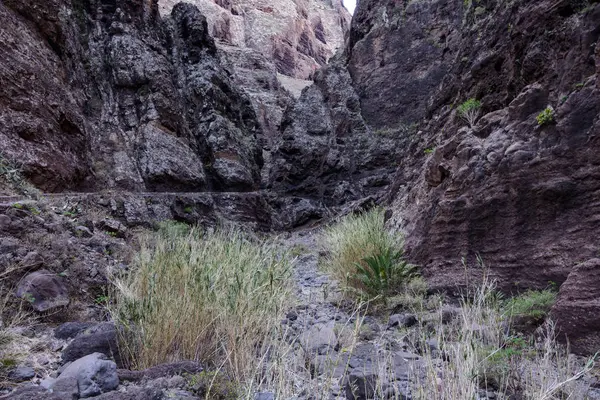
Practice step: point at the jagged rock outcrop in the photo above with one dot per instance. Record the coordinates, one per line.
(99, 94)
(299, 36)
(273, 47)
(520, 195)
(327, 152)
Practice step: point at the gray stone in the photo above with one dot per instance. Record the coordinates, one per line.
(21, 374)
(264, 396)
(93, 373)
(360, 385)
(319, 339)
(82, 231)
(44, 290)
(4, 221)
(69, 330)
(402, 320)
(331, 365)
(100, 338)
(113, 227)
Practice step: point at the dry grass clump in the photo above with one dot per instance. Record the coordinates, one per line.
(11, 318)
(482, 353)
(215, 297)
(365, 257)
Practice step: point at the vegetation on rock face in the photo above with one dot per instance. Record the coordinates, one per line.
(546, 117)
(365, 257)
(469, 111)
(12, 178)
(213, 297)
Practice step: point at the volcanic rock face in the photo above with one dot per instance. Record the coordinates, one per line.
(270, 43)
(327, 152)
(99, 95)
(522, 196)
(298, 35)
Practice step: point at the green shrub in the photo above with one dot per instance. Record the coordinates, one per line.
(364, 256)
(469, 111)
(383, 273)
(532, 304)
(545, 117)
(210, 297)
(11, 176)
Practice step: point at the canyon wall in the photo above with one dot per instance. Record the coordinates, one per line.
(98, 95)
(519, 195)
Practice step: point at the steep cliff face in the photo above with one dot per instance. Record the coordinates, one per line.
(520, 195)
(298, 35)
(103, 95)
(268, 43)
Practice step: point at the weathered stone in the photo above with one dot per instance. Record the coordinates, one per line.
(319, 339)
(264, 396)
(575, 311)
(93, 374)
(43, 290)
(360, 385)
(21, 374)
(402, 320)
(101, 338)
(69, 330)
(82, 231)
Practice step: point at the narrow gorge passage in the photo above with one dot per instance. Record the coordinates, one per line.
(431, 169)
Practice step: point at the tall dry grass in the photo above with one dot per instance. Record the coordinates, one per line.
(364, 256)
(215, 297)
(481, 353)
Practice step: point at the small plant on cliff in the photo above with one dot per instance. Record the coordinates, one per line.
(366, 257)
(210, 297)
(546, 117)
(469, 111)
(11, 177)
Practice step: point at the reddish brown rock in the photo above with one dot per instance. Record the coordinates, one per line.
(576, 311)
(299, 36)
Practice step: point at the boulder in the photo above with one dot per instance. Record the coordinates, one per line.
(92, 375)
(576, 311)
(402, 320)
(69, 330)
(21, 374)
(360, 385)
(44, 290)
(319, 339)
(101, 338)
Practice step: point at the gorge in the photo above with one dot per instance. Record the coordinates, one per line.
(279, 116)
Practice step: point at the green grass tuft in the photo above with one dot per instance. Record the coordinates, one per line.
(531, 304)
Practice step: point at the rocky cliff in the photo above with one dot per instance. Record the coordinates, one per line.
(519, 194)
(299, 36)
(103, 95)
(273, 48)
